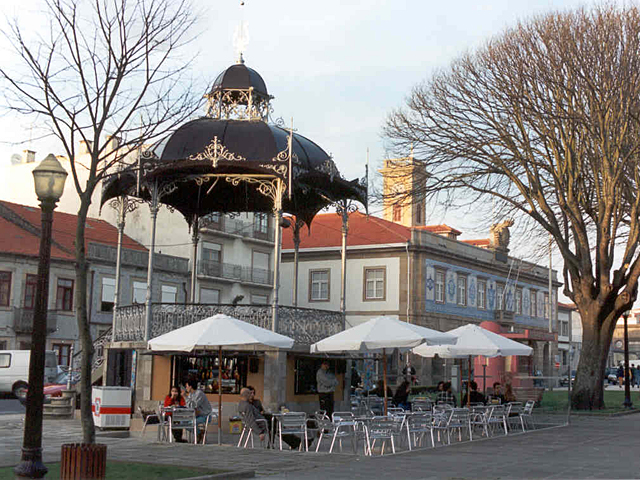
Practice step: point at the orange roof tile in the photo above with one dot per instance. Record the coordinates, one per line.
(326, 231)
(439, 229)
(19, 241)
(481, 242)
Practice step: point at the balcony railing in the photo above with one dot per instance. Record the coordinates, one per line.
(235, 272)
(305, 325)
(23, 320)
(138, 258)
(237, 227)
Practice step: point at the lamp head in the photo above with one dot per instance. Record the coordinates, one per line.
(49, 178)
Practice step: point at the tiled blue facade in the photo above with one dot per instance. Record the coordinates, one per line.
(470, 310)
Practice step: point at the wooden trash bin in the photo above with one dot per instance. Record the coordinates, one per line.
(82, 461)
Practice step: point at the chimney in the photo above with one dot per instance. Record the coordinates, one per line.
(29, 156)
(113, 143)
(85, 147)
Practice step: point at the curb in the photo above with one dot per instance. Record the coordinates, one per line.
(227, 475)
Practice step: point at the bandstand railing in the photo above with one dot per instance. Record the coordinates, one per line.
(305, 325)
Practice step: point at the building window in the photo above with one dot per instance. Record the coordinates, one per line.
(212, 252)
(482, 294)
(546, 305)
(519, 301)
(64, 295)
(259, 299)
(3, 345)
(439, 293)
(5, 288)
(397, 212)
(169, 294)
(533, 303)
(63, 352)
(209, 295)
(374, 283)
(318, 285)
(462, 290)
(500, 296)
(139, 292)
(30, 286)
(418, 214)
(564, 329)
(261, 224)
(260, 271)
(108, 294)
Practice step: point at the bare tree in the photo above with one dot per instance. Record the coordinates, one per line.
(544, 119)
(105, 69)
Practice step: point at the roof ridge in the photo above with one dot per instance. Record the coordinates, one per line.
(18, 220)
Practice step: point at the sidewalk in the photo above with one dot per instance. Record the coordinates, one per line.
(601, 447)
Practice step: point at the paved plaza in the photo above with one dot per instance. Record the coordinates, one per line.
(590, 447)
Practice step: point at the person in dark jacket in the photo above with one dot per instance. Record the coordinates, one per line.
(401, 397)
(475, 396)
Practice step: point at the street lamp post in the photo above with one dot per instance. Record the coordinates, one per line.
(49, 178)
(627, 389)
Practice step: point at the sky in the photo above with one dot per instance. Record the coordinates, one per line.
(337, 67)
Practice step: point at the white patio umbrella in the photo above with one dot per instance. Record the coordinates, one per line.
(218, 331)
(379, 334)
(474, 340)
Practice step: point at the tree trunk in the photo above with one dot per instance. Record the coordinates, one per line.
(86, 416)
(588, 391)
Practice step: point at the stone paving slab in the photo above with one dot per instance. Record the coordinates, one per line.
(589, 447)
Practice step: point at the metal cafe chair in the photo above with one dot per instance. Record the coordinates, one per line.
(293, 423)
(526, 415)
(158, 416)
(212, 418)
(381, 428)
(248, 431)
(184, 419)
(418, 425)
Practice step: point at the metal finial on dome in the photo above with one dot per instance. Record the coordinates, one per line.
(240, 59)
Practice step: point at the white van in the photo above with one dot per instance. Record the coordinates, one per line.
(14, 370)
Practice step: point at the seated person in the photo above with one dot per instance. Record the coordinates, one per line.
(379, 391)
(497, 397)
(475, 396)
(174, 399)
(446, 395)
(197, 400)
(249, 407)
(401, 398)
(509, 396)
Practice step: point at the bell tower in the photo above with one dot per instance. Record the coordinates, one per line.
(402, 189)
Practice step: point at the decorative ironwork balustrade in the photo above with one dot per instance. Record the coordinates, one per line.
(305, 325)
(23, 320)
(231, 271)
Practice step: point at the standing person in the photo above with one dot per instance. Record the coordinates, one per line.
(620, 374)
(174, 399)
(409, 373)
(197, 400)
(326, 387)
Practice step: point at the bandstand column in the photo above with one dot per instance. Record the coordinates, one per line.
(296, 250)
(153, 207)
(195, 237)
(277, 204)
(122, 212)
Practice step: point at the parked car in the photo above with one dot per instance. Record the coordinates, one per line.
(564, 380)
(611, 375)
(14, 370)
(55, 388)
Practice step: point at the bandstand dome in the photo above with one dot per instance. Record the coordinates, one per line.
(239, 77)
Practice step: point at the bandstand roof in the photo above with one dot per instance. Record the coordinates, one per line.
(232, 160)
